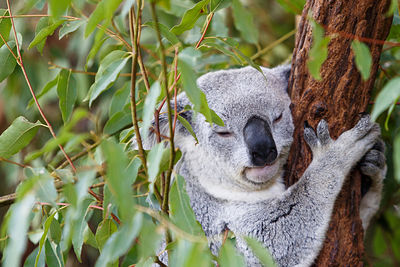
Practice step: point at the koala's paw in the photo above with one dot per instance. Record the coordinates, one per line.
(317, 140)
(374, 161)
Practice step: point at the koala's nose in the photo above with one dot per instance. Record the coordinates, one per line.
(259, 141)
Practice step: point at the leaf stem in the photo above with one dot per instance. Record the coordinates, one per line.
(210, 16)
(21, 63)
(134, 33)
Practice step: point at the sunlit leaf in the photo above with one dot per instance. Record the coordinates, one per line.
(190, 17)
(191, 254)
(104, 230)
(117, 121)
(181, 211)
(216, 5)
(69, 26)
(262, 253)
(104, 11)
(188, 127)
(229, 256)
(386, 97)
(58, 8)
(105, 77)
(154, 159)
(119, 99)
(17, 136)
(17, 231)
(149, 239)
(363, 58)
(244, 22)
(318, 52)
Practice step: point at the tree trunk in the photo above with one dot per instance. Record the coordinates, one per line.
(338, 98)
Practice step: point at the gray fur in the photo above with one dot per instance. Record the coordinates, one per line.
(220, 175)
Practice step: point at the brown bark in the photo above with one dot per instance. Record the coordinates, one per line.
(338, 98)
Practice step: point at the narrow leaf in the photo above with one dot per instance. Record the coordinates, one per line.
(261, 252)
(42, 35)
(50, 85)
(243, 20)
(104, 10)
(188, 127)
(164, 32)
(58, 8)
(69, 26)
(154, 160)
(363, 58)
(190, 17)
(318, 52)
(5, 26)
(229, 256)
(386, 97)
(67, 93)
(149, 106)
(17, 136)
(7, 60)
(104, 230)
(117, 121)
(105, 79)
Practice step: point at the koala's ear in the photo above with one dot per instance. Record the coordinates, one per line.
(180, 130)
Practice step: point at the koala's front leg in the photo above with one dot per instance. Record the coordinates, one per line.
(373, 167)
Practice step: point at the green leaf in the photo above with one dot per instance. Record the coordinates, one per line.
(243, 20)
(17, 136)
(229, 257)
(149, 239)
(5, 26)
(149, 106)
(363, 58)
(164, 32)
(386, 97)
(7, 60)
(67, 93)
(181, 212)
(213, 43)
(119, 99)
(104, 230)
(69, 26)
(50, 85)
(216, 5)
(261, 252)
(79, 229)
(58, 8)
(318, 52)
(97, 44)
(154, 160)
(106, 76)
(120, 242)
(188, 127)
(191, 254)
(17, 231)
(47, 225)
(30, 260)
(54, 257)
(195, 95)
(117, 178)
(43, 33)
(190, 17)
(117, 121)
(293, 6)
(104, 11)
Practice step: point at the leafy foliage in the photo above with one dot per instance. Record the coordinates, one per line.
(110, 212)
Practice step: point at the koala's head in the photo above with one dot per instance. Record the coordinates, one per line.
(249, 152)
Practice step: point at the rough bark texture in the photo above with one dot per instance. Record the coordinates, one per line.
(338, 98)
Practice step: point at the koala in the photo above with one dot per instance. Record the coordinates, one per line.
(234, 174)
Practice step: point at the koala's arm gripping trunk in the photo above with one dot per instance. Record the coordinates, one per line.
(338, 98)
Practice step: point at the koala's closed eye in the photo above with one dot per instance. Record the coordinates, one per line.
(224, 133)
(278, 118)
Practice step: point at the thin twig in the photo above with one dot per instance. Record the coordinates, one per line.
(273, 44)
(13, 162)
(9, 48)
(134, 33)
(175, 88)
(210, 16)
(21, 63)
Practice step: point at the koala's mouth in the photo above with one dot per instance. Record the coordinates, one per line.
(261, 175)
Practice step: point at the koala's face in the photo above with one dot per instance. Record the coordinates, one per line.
(250, 150)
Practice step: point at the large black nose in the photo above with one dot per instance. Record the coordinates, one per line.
(260, 142)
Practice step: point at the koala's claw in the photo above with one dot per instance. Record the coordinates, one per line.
(323, 132)
(310, 137)
(373, 162)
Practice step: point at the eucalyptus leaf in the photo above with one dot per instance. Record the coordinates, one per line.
(261, 252)
(104, 11)
(5, 26)
(43, 33)
(67, 93)
(69, 27)
(318, 52)
(386, 97)
(149, 107)
(243, 20)
(8, 62)
(363, 58)
(190, 17)
(17, 136)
